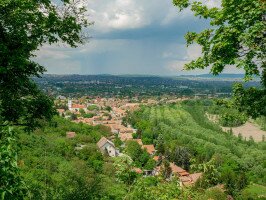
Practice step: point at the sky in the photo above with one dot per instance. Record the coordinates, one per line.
(130, 37)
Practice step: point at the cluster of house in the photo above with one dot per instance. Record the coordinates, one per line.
(119, 110)
(186, 179)
(111, 118)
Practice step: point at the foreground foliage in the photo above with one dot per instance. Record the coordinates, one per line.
(11, 184)
(53, 169)
(24, 27)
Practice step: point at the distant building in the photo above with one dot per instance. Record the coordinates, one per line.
(60, 111)
(125, 136)
(137, 170)
(150, 149)
(80, 146)
(156, 158)
(75, 107)
(190, 179)
(139, 141)
(106, 146)
(178, 171)
(60, 97)
(70, 134)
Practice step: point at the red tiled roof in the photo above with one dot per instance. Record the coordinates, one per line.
(150, 148)
(137, 170)
(125, 136)
(60, 110)
(179, 170)
(70, 134)
(139, 141)
(103, 141)
(195, 176)
(190, 179)
(78, 106)
(156, 158)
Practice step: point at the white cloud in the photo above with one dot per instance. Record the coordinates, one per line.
(192, 52)
(53, 52)
(157, 41)
(177, 67)
(177, 62)
(212, 3)
(116, 14)
(111, 15)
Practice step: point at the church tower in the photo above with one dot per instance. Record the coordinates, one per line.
(69, 104)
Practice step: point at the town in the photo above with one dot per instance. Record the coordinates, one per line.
(111, 112)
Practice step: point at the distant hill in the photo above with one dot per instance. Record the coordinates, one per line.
(234, 76)
(222, 76)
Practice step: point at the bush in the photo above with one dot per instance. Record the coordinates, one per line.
(232, 119)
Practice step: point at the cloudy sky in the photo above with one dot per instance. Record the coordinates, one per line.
(129, 37)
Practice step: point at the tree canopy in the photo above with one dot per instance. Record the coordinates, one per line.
(236, 37)
(24, 27)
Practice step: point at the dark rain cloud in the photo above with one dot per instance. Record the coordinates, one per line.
(129, 37)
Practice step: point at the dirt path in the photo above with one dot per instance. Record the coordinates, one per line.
(246, 130)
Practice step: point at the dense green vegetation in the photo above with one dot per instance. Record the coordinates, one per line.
(24, 27)
(49, 166)
(140, 156)
(223, 157)
(227, 115)
(52, 169)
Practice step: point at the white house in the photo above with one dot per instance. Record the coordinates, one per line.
(106, 146)
(60, 97)
(75, 107)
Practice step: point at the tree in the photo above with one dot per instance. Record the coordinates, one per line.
(90, 153)
(24, 27)
(108, 108)
(150, 165)
(82, 112)
(138, 155)
(93, 107)
(181, 157)
(124, 173)
(73, 116)
(160, 144)
(236, 38)
(152, 188)
(251, 101)
(11, 184)
(133, 149)
(166, 170)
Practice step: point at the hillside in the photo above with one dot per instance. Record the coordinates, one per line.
(186, 126)
(53, 167)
